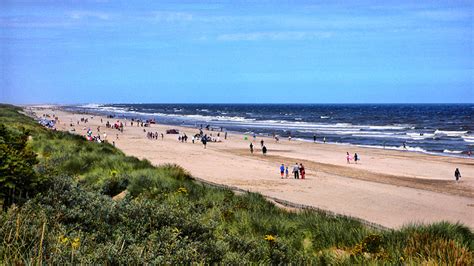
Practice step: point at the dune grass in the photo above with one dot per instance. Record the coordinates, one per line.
(168, 217)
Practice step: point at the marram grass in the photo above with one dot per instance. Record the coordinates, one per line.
(168, 217)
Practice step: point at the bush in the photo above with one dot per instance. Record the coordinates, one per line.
(18, 178)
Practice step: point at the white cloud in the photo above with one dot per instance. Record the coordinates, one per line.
(172, 16)
(89, 14)
(445, 15)
(274, 36)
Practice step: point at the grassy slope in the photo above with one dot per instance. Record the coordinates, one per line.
(168, 217)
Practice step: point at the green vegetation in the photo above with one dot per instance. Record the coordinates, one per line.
(68, 215)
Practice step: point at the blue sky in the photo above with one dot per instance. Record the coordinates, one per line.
(236, 51)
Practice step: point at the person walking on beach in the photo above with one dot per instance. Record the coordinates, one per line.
(264, 150)
(225, 135)
(324, 140)
(261, 143)
(204, 141)
(296, 169)
(457, 174)
(302, 171)
(356, 157)
(282, 170)
(251, 147)
(314, 138)
(348, 157)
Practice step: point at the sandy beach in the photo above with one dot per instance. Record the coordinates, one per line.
(387, 187)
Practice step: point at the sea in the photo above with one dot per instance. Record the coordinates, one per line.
(444, 129)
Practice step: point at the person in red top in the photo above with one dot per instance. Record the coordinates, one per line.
(302, 171)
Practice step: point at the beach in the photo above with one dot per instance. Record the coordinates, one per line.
(387, 187)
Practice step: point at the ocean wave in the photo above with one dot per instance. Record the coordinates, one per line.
(397, 148)
(468, 138)
(455, 152)
(380, 136)
(393, 127)
(90, 106)
(420, 136)
(450, 133)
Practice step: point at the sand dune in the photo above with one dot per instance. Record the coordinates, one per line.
(387, 187)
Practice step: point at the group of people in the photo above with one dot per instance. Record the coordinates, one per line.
(264, 148)
(349, 158)
(151, 135)
(298, 171)
(184, 138)
(117, 125)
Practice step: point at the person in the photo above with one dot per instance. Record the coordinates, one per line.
(204, 141)
(457, 174)
(405, 145)
(113, 143)
(348, 157)
(286, 172)
(282, 170)
(264, 150)
(289, 138)
(251, 147)
(162, 136)
(302, 171)
(225, 135)
(261, 143)
(254, 137)
(356, 157)
(324, 140)
(314, 138)
(296, 169)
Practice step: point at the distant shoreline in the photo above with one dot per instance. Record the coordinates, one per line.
(185, 122)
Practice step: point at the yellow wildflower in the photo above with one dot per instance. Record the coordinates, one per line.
(64, 240)
(182, 190)
(270, 238)
(76, 243)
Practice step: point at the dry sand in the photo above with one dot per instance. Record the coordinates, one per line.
(390, 188)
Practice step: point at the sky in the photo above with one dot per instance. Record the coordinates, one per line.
(236, 51)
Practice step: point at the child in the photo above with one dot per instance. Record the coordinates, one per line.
(287, 172)
(282, 170)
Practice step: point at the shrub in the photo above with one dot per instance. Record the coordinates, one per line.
(18, 178)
